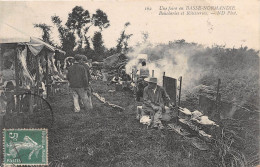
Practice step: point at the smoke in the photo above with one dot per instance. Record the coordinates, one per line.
(175, 61)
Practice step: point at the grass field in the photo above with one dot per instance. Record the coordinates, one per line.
(107, 137)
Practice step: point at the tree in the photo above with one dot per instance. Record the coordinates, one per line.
(100, 19)
(79, 21)
(98, 45)
(74, 34)
(122, 42)
(45, 32)
(68, 40)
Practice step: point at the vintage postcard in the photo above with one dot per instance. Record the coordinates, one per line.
(129, 83)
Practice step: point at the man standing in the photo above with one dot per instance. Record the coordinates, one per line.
(155, 98)
(141, 84)
(88, 89)
(78, 80)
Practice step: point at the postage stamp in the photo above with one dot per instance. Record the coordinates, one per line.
(25, 146)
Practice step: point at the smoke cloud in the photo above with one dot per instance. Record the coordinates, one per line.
(175, 61)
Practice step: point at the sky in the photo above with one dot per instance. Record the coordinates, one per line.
(232, 31)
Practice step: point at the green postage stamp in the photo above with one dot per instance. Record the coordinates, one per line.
(25, 146)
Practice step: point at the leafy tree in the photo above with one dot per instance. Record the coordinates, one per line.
(46, 30)
(98, 45)
(80, 21)
(68, 40)
(74, 34)
(100, 19)
(122, 42)
(77, 20)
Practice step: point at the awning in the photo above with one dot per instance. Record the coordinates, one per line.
(36, 45)
(9, 34)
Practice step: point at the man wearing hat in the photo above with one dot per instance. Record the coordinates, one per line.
(154, 100)
(78, 81)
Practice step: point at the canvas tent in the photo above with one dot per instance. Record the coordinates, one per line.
(22, 44)
(9, 34)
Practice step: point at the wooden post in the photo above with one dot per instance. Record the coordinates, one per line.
(152, 73)
(47, 74)
(16, 70)
(218, 99)
(179, 100)
(163, 79)
(163, 83)
(37, 79)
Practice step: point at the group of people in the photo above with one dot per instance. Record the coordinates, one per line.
(154, 96)
(79, 79)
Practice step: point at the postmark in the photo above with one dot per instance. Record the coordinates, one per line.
(25, 146)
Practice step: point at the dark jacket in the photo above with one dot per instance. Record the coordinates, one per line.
(87, 72)
(77, 76)
(125, 77)
(157, 98)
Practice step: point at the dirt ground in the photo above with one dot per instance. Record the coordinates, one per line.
(108, 137)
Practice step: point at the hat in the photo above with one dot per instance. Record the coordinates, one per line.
(84, 58)
(152, 80)
(77, 57)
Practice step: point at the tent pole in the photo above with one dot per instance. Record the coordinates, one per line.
(16, 70)
(37, 78)
(47, 73)
(31, 98)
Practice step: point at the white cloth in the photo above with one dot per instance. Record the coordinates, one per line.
(155, 89)
(145, 120)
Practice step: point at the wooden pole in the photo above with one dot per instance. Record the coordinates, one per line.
(218, 99)
(37, 79)
(179, 100)
(163, 79)
(152, 73)
(47, 74)
(16, 70)
(31, 98)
